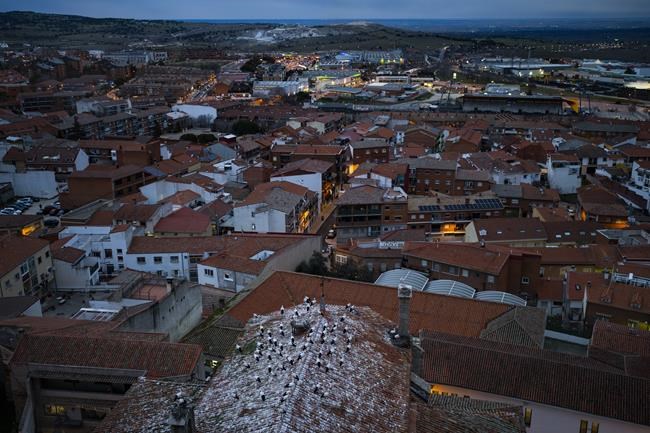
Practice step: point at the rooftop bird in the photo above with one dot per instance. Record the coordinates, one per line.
(282, 309)
(263, 396)
(238, 347)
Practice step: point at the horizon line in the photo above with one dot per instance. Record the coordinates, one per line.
(582, 18)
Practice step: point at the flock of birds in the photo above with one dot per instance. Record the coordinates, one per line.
(281, 354)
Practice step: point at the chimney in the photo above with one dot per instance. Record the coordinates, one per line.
(181, 417)
(169, 284)
(404, 294)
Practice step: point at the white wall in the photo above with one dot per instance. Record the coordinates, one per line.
(562, 179)
(82, 161)
(311, 181)
(41, 184)
(167, 266)
(156, 191)
(69, 276)
(266, 221)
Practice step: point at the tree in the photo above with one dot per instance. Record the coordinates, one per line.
(205, 138)
(189, 137)
(316, 265)
(244, 127)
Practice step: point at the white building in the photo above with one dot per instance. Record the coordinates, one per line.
(563, 173)
(253, 258)
(309, 173)
(276, 207)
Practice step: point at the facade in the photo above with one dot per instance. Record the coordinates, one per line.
(487, 267)
(280, 207)
(316, 175)
(519, 104)
(564, 173)
(26, 266)
(368, 211)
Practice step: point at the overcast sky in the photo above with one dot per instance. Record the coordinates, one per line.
(323, 9)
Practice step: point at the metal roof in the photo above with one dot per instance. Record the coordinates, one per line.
(450, 288)
(500, 297)
(395, 277)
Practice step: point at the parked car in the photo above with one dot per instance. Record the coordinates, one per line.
(51, 222)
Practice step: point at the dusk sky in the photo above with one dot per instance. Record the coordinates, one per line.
(323, 9)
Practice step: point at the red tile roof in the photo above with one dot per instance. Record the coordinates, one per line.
(17, 249)
(453, 315)
(159, 359)
(546, 377)
(489, 259)
(184, 220)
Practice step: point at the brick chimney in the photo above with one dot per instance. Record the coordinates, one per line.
(181, 417)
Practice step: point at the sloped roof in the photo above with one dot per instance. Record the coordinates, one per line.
(522, 326)
(159, 359)
(550, 378)
(184, 220)
(472, 256)
(449, 414)
(21, 247)
(453, 315)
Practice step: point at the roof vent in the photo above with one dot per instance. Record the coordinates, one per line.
(181, 418)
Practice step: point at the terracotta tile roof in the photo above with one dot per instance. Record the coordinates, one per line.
(509, 229)
(453, 315)
(283, 196)
(159, 359)
(449, 414)
(216, 209)
(101, 218)
(485, 259)
(601, 256)
(614, 295)
(14, 306)
(136, 212)
(146, 406)
(362, 195)
(184, 220)
(21, 248)
(307, 165)
(17, 221)
(522, 326)
(578, 232)
(304, 149)
(66, 254)
(550, 378)
(232, 262)
(181, 198)
(617, 338)
(305, 408)
(107, 172)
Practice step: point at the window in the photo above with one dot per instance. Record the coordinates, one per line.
(173, 259)
(583, 425)
(541, 271)
(528, 415)
(490, 279)
(108, 253)
(465, 273)
(595, 427)
(208, 272)
(141, 260)
(424, 263)
(452, 270)
(227, 276)
(340, 259)
(54, 410)
(118, 251)
(157, 260)
(525, 280)
(40, 260)
(436, 267)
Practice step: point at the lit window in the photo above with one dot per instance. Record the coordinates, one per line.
(583, 425)
(51, 409)
(595, 427)
(528, 415)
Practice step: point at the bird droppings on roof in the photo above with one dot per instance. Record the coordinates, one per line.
(294, 370)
